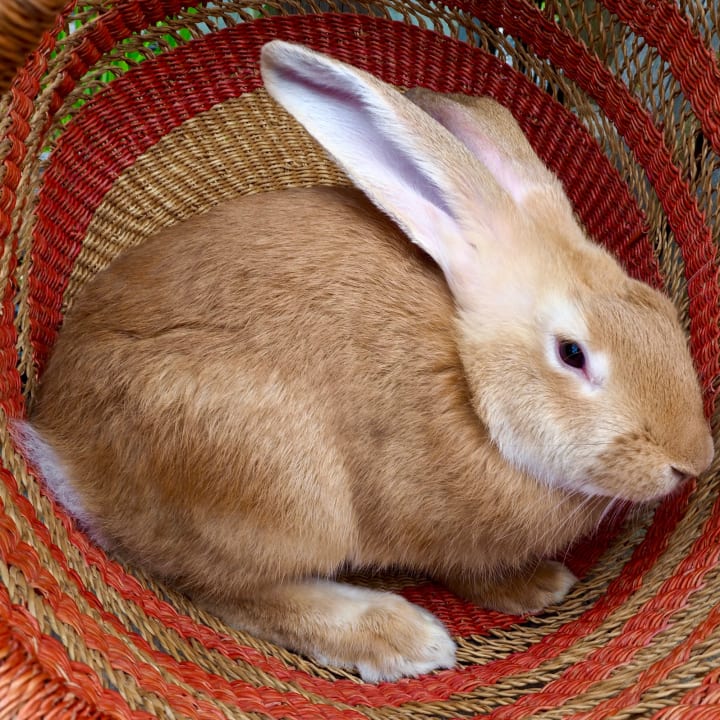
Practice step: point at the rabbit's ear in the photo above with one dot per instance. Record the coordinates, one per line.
(492, 134)
(406, 163)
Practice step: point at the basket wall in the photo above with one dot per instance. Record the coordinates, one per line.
(132, 115)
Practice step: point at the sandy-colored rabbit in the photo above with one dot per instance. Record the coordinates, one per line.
(288, 386)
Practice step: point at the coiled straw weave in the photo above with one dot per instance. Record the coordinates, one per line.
(132, 114)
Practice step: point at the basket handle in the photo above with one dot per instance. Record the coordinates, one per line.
(22, 23)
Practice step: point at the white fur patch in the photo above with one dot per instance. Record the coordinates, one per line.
(598, 367)
(563, 318)
(45, 461)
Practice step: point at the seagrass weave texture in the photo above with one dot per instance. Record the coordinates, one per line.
(133, 114)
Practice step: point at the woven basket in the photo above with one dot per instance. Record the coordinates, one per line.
(133, 114)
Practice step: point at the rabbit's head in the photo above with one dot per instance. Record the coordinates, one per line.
(581, 374)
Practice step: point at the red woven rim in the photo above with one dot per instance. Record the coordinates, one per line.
(70, 195)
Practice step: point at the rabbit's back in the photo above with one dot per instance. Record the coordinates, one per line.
(258, 374)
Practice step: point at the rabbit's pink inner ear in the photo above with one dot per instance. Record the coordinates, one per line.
(517, 170)
(352, 119)
(346, 122)
(506, 171)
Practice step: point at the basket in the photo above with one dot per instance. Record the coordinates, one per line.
(129, 115)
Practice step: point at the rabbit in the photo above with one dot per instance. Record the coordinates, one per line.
(435, 369)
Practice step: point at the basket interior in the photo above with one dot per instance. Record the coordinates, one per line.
(146, 115)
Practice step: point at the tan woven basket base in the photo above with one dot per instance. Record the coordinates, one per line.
(243, 146)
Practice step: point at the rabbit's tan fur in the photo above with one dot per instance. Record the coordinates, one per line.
(286, 387)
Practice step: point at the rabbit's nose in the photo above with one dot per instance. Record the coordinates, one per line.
(699, 460)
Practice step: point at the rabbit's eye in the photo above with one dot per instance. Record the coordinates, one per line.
(571, 353)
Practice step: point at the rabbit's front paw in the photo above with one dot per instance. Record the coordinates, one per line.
(380, 634)
(385, 637)
(525, 592)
